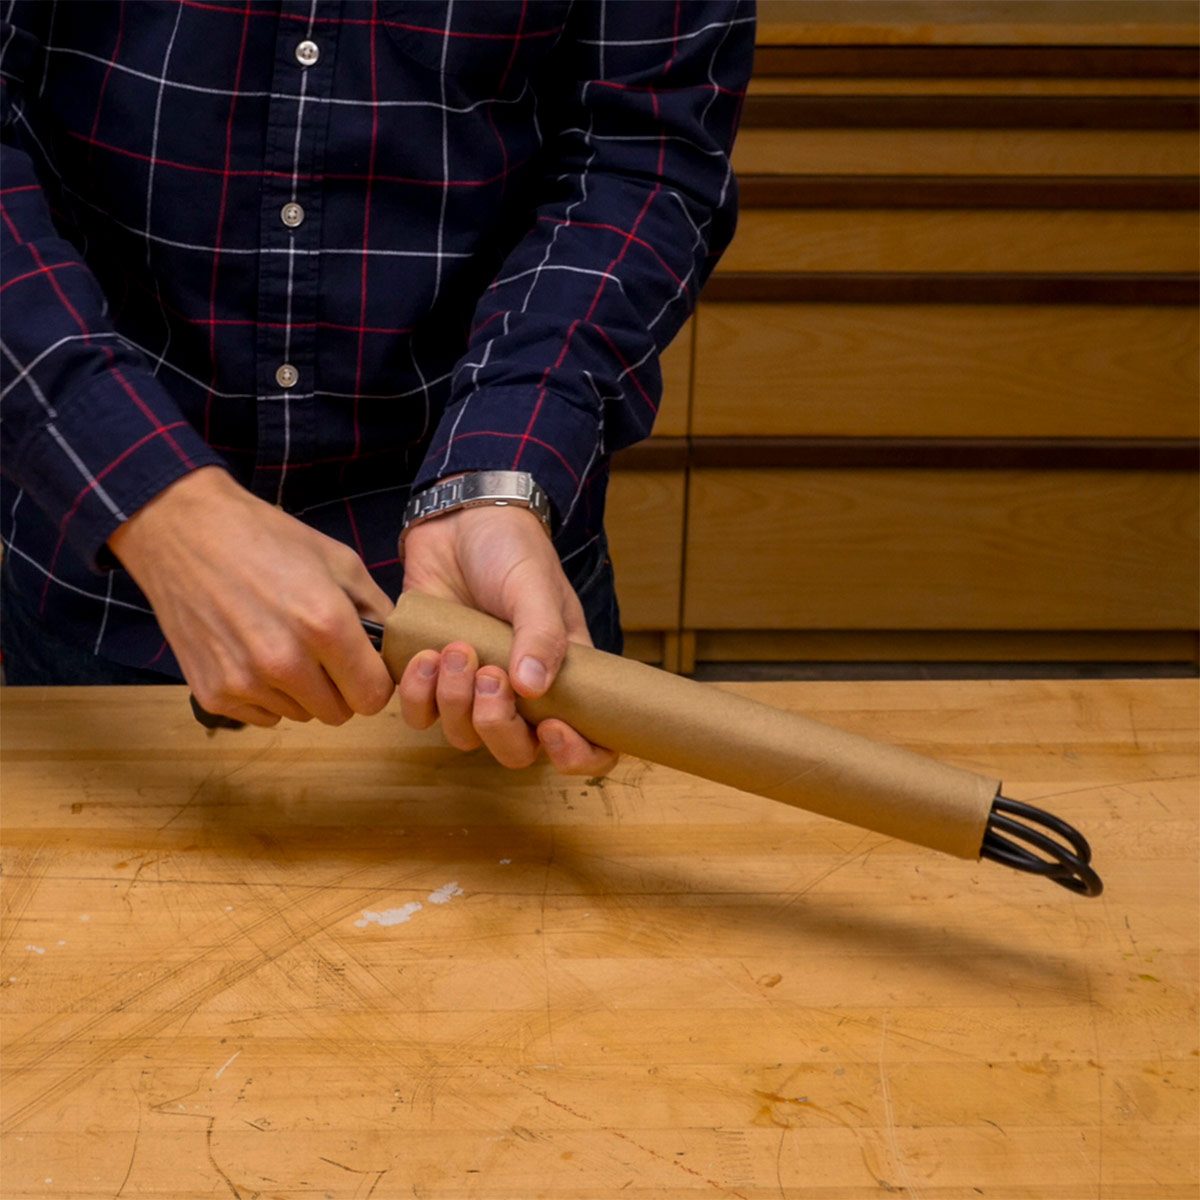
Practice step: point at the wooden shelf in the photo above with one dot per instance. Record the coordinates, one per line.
(977, 23)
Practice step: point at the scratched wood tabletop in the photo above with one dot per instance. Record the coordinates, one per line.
(348, 963)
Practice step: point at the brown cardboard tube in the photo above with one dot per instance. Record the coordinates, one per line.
(693, 727)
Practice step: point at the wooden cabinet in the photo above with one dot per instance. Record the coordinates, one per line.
(944, 240)
(955, 152)
(940, 397)
(945, 370)
(645, 529)
(940, 549)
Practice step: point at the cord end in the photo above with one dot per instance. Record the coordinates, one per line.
(1065, 858)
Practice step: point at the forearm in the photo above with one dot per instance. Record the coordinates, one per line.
(637, 202)
(86, 430)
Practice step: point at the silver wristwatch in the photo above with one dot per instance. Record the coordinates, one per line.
(474, 489)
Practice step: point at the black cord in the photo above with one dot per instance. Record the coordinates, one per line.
(1068, 865)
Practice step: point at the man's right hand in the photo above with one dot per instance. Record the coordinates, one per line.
(261, 611)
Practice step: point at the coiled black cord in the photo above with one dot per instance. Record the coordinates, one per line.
(1068, 865)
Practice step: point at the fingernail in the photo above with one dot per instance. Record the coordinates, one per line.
(454, 660)
(427, 668)
(488, 685)
(531, 674)
(552, 737)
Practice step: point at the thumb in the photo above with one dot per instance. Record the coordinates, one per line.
(539, 640)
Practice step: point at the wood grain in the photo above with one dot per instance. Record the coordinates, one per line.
(964, 152)
(977, 22)
(986, 111)
(975, 62)
(946, 371)
(958, 646)
(968, 240)
(645, 528)
(1114, 288)
(646, 646)
(893, 549)
(1128, 192)
(676, 366)
(651, 987)
(767, 85)
(939, 453)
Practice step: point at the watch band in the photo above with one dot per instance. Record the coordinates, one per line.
(475, 489)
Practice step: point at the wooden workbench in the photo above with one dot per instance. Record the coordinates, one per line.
(646, 987)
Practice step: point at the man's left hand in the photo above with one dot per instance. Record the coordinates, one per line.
(500, 561)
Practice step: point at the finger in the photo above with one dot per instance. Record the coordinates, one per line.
(355, 669)
(571, 753)
(539, 640)
(251, 714)
(283, 705)
(504, 732)
(263, 685)
(311, 689)
(242, 696)
(288, 680)
(418, 690)
(456, 695)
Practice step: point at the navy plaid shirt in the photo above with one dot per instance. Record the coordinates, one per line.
(342, 249)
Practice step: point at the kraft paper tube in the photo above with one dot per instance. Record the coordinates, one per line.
(728, 739)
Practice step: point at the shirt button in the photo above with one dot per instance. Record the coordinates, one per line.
(307, 53)
(287, 376)
(291, 215)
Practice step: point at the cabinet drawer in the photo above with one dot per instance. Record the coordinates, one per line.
(780, 239)
(941, 549)
(676, 366)
(965, 152)
(973, 370)
(644, 518)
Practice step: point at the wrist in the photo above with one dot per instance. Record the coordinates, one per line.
(483, 490)
(183, 503)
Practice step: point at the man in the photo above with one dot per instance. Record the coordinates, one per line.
(271, 270)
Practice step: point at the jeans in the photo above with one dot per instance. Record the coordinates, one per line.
(35, 655)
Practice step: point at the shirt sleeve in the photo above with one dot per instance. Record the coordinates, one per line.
(637, 202)
(86, 430)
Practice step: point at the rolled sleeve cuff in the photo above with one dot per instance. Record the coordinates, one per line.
(518, 429)
(91, 467)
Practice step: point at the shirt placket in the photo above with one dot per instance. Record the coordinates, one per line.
(290, 238)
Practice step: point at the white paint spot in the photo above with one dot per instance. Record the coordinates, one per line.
(36, 949)
(505, 861)
(85, 916)
(389, 916)
(221, 1071)
(445, 893)
(229, 908)
(60, 942)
